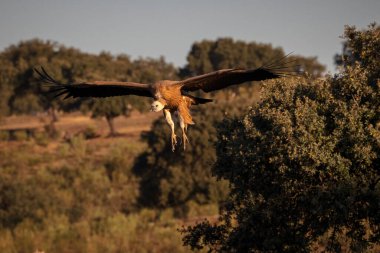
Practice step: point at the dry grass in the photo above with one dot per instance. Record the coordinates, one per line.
(59, 150)
(74, 122)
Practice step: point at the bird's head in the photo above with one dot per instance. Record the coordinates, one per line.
(156, 106)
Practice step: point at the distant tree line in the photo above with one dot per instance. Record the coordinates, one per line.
(21, 93)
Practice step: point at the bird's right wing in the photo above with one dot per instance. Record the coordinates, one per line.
(94, 89)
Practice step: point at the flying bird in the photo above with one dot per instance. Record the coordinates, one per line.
(171, 96)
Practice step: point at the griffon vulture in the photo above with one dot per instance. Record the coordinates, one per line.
(170, 96)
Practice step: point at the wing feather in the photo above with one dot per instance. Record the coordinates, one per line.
(93, 89)
(226, 77)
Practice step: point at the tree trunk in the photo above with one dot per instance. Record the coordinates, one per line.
(50, 127)
(111, 125)
(53, 114)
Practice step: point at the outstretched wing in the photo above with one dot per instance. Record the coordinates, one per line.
(226, 77)
(93, 89)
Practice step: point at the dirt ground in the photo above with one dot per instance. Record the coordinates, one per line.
(73, 123)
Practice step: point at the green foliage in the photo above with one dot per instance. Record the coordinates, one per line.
(207, 56)
(109, 107)
(6, 79)
(4, 135)
(173, 178)
(23, 92)
(90, 133)
(79, 203)
(361, 47)
(41, 138)
(19, 135)
(192, 209)
(303, 165)
(114, 233)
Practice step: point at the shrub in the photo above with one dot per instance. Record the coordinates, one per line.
(4, 135)
(303, 164)
(19, 135)
(41, 138)
(90, 133)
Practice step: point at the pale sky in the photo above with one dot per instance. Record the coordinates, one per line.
(169, 27)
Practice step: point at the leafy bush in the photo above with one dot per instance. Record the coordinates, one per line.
(41, 138)
(303, 164)
(19, 135)
(4, 135)
(173, 178)
(90, 133)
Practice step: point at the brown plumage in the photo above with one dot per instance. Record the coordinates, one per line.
(170, 96)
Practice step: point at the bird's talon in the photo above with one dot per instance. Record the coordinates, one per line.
(174, 141)
(184, 141)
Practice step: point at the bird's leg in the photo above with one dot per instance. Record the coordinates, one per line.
(169, 119)
(184, 129)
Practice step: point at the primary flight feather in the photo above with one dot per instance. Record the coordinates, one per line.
(170, 96)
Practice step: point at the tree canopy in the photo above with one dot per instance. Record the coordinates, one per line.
(207, 55)
(303, 164)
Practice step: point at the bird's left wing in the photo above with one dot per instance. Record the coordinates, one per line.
(226, 77)
(94, 89)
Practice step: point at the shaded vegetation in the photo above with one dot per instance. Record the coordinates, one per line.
(67, 201)
(303, 164)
